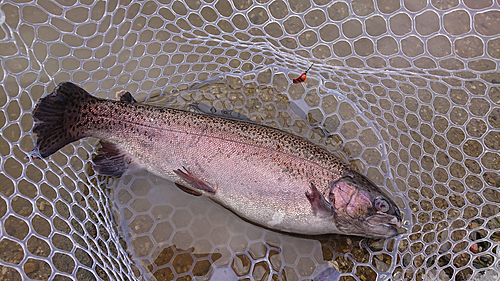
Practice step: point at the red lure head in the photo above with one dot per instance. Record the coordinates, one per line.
(302, 77)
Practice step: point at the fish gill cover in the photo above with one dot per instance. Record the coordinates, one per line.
(405, 91)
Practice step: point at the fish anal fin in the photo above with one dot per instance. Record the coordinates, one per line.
(125, 96)
(188, 190)
(194, 181)
(320, 207)
(115, 161)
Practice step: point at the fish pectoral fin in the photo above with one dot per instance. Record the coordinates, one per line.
(125, 96)
(194, 181)
(188, 190)
(115, 161)
(320, 207)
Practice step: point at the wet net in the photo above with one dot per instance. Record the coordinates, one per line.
(404, 91)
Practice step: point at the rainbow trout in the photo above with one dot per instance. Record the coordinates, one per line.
(265, 175)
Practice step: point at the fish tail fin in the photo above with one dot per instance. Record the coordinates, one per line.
(56, 118)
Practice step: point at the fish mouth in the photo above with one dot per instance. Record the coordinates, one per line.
(389, 225)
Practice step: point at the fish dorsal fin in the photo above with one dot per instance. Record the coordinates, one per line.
(125, 96)
(210, 110)
(115, 161)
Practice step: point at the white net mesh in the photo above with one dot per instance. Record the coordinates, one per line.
(405, 91)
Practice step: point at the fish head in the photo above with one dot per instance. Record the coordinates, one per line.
(361, 208)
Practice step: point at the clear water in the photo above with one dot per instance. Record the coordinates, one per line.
(404, 91)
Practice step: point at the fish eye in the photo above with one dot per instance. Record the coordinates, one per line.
(381, 205)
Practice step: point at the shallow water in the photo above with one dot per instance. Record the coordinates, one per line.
(404, 91)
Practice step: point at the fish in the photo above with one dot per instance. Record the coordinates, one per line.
(264, 175)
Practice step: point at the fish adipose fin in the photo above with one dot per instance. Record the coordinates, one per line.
(126, 97)
(115, 161)
(194, 181)
(57, 118)
(320, 207)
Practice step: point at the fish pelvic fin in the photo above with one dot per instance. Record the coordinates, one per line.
(115, 161)
(188, 190)
(320, 206)
(57, 118)
(194, 181)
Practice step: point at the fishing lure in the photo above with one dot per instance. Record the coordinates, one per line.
(302, 77)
